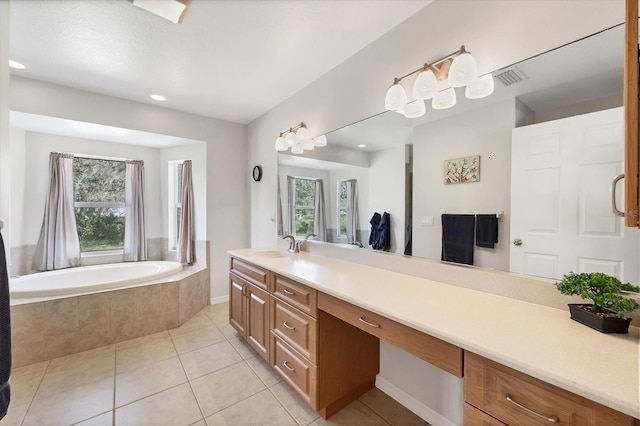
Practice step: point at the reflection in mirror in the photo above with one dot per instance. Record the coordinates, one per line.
(556, 204)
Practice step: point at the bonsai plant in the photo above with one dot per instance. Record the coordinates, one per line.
(609, 310)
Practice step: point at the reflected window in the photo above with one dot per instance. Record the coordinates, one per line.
(99, 203)
(342, 208)
(305, 198)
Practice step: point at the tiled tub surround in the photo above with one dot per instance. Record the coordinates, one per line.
(44, 330)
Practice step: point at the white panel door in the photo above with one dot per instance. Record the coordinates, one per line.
(561, 173)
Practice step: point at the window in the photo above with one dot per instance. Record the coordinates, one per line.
(342, 208)
(98, 186)
(305, 206)
(175, 202)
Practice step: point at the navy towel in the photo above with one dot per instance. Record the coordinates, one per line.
(375, 222)
(486, 230)
(382, 240)
(5, 334)
(458, 237)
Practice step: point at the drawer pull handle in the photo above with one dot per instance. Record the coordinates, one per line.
(290, 327)
(369, 323)
(286, 290)
(552, 419)
(286, 365)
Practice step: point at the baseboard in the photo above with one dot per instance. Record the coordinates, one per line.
(220, 299)
(417, 407)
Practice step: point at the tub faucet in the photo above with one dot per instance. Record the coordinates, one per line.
(293, 247)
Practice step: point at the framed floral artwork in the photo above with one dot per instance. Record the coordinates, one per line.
(462, 170)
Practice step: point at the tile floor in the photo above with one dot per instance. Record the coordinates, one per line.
(199, 374)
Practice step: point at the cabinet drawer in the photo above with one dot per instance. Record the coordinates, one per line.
(295, 370)
(299, 330)
(475, 417)
(252, 273)
(296, 294)
(508, 395)
(435, 351)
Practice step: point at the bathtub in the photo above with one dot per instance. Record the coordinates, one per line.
(84, 279)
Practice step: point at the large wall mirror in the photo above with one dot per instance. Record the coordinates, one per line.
(549, 141)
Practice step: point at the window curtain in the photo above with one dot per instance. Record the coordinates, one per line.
(291, 205)
(187, 235)
(320, 222)
(352, 211)
(135, 242)
(58, 245)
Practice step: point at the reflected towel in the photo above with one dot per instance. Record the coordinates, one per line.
(486, 230)
(458, 237)
(5, 334)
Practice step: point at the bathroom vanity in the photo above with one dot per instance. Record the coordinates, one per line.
(318, 322)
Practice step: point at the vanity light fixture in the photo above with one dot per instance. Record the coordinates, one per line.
(172, 10)
(298, 139)
(458, 69)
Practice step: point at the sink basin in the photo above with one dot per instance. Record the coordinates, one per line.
(271, 253)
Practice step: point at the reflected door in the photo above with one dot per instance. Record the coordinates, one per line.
(562, 219)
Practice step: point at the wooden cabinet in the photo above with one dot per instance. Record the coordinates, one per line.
(515, 398)
(435, 351)
(475, 417)
(249, 304)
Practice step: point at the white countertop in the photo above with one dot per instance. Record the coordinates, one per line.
(534, 339)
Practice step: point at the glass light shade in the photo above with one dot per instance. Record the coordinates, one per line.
(396, 97)
(307, 145)
(290, 139)
(401, 110)
(415, 109)
(281, 145)
(444, 99)
(426, 85)
(320, 140)
(302, 133)
(297, 149)
(463, 70)
(480, 87)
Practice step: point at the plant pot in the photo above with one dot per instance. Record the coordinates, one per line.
(598, 322)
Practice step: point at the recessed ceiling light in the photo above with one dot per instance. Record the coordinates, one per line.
(362, 146)
(16, 65)
(158, 98)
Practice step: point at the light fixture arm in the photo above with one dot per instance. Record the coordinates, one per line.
(439, 67)
(293, 129)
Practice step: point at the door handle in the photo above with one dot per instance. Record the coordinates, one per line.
(517, 242)
(613, 195)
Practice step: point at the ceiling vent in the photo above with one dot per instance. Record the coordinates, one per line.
(510, 76)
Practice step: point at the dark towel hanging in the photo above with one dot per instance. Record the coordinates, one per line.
(458, 237)
(5, 334)
(383, 241)
(375, 221)
(486, 230)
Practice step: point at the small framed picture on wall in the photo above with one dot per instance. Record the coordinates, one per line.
(462, 170)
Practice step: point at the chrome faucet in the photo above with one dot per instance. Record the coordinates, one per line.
(293, 247)
(300, 243)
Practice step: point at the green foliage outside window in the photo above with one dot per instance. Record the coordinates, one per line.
(342, 207)
(305, 201)
(99, 196)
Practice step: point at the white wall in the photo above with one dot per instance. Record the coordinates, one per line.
(387, 191)
(487, 133)
(227, 167)
(5, 147)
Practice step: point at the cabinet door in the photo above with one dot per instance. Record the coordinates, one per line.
(237, 305)
(257, 325)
